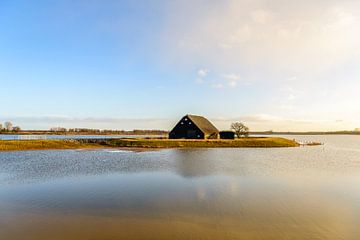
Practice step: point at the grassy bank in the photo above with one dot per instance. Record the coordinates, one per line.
(18, 145)
(6, 145)
(180, 143)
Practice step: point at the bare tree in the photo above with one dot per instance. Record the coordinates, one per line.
(8, 126)
(240, 129)
(16, 129)
(1, 127)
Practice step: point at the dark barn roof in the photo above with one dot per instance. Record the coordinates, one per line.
(203, 124)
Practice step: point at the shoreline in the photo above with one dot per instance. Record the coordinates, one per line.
(123, 143)
(157, 133)
(129, 133)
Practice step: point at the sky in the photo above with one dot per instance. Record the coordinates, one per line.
(280, 65)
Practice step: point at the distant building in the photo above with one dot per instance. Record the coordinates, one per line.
(194, 127)
(227, 135)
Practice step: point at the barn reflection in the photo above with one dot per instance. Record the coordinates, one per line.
(194, 162)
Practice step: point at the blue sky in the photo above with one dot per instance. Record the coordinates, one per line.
(144, 64)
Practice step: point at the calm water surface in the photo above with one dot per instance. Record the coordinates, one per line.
(54, 136)
(287, 193)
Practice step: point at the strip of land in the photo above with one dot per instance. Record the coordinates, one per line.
(258, 142)
(80, 131)
(20, 145)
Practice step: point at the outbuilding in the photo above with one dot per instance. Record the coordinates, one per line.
(227, 135)
(194, 127)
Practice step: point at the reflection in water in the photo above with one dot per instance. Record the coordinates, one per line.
(302, 193)
(187, 165)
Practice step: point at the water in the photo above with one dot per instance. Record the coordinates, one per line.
(47, 136)
(287, 193)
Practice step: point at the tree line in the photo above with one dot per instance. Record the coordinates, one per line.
(8, 127)
(62, 130)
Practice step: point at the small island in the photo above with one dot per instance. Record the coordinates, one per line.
(191, 131)
(124, 143)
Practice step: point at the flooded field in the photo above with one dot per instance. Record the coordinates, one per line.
(286, 193)
(54, 136)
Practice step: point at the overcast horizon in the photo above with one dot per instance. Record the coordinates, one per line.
(279, 65)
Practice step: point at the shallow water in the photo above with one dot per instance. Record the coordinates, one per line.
(287, 193)
(54, 136)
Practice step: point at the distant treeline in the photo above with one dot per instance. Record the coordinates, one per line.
(9, 128)
(89, 131)
(107, 131)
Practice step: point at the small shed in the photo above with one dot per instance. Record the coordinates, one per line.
(227, 135)
(194, 127)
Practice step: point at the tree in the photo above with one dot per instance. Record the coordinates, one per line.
(8, 126)
(16, 129)
(1, 127)
(240, 129)
(58, 129)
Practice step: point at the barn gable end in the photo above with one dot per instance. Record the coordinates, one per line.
(194, 127)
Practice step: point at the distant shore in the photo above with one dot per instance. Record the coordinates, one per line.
(102, 133)
(251, 142)
(161, 133)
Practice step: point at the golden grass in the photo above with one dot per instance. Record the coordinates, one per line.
(18, 145)
(216, 143)
(13, 145)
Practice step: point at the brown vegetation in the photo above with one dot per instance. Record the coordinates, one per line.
(6, 145)
(18, 145)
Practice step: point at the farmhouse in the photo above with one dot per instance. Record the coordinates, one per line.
(194, 127)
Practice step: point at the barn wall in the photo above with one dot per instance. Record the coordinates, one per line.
(186, 129)
(227, 135)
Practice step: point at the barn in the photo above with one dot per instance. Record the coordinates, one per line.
(194, 127)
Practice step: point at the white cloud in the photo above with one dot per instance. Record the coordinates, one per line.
(260, 16)
(309, 47)
(231, 79)
(202, 73)
(291, 97)
(226, 80)
(281, 36)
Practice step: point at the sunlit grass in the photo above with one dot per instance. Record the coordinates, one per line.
(13, 145)
(175, 143)
(18, 145)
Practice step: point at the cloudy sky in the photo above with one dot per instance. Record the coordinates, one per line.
(281, 65)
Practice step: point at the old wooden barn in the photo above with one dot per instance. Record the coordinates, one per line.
(194, 127)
